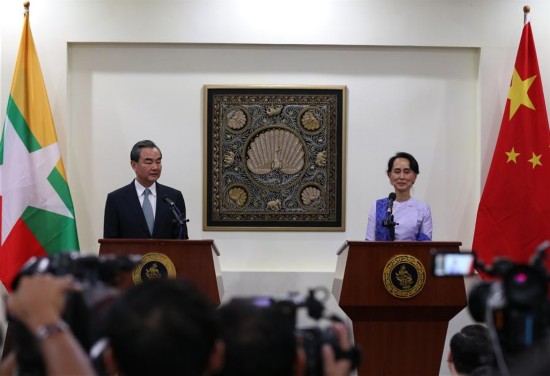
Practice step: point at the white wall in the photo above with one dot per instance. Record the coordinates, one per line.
(398, 99)
(429, 77)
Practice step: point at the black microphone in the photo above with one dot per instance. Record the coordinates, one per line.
(170, 202)
(388, 222)
(175, 210)
(391, 198)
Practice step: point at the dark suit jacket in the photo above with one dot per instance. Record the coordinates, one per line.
(124, 217)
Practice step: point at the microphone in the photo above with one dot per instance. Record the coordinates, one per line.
(388, 222)
(391, 198)
(170, 202)
(175, 210)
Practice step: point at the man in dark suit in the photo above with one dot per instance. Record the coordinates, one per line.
(124, 212)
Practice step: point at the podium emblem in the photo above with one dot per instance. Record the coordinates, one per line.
(404, 276)
(153, 266)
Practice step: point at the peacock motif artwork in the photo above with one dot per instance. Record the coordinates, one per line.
(275, 157)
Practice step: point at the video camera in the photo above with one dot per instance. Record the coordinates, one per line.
(311, 338)
(515, 303)
(98, 276)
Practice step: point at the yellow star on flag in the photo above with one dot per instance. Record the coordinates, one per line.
(518, 93)
(512, 155)
(536, 160)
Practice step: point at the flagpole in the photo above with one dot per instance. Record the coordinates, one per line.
(526, 10)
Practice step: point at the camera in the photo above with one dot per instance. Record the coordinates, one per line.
(516, 304)
(512, 301)
(98, 276)
(453, 264)
(311, 338)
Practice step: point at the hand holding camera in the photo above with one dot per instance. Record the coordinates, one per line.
(332, 364)
(40, 299)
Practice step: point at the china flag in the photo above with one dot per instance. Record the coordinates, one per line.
(513, 217)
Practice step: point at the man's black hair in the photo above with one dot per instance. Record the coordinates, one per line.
(258, 340)
(136, 149)
(162, 327)
(471, 348)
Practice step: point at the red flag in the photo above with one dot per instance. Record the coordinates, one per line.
(513, 217)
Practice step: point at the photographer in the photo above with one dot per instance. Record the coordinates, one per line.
(162, 327)
(258, 340)
(515, 307)
(470, 349)
(38, 303)
(261, 339)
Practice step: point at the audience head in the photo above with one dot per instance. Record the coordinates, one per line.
(258, 340)
(470, 349)
(162, 327)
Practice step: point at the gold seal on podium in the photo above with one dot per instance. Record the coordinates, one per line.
(404, 276)
(153, 266)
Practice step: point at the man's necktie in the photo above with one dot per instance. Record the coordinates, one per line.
(148, 210)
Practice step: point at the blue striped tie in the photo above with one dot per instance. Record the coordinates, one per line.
(148, 210)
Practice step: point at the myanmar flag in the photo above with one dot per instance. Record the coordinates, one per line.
(513, 218)
(37, 210)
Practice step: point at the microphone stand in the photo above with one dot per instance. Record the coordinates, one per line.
(179, 219)
(390, 224)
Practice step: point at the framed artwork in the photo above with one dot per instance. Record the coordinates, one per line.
(274, 158)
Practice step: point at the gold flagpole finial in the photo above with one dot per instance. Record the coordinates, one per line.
(26, 5)
(526, 10)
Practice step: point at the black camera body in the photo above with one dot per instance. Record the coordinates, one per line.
(90, 270)
(512, 300)
(312, 338)
(98, 277)
(516, 303)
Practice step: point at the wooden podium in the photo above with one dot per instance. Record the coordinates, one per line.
(397, 335)
(196, 260)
